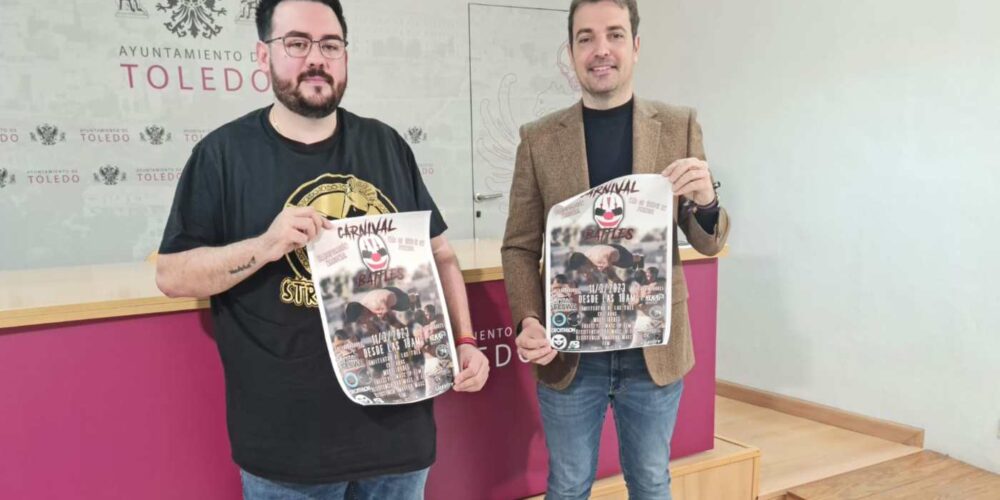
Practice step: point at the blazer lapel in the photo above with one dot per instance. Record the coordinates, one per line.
(646, 143)
(573, 146)
(645, 138)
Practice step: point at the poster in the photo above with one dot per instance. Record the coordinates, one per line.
(384, 316)
(608, 265)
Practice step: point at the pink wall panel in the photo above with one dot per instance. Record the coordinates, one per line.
(124, 408)
(134, 408)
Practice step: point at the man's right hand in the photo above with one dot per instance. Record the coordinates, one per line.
(292, 229)
(532, 344)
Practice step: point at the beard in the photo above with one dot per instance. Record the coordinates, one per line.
(289, 94)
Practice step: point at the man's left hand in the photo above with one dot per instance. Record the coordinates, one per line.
(475, 369)
(691, 179)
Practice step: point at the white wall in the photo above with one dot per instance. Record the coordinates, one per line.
(104, 73)
(856, 143)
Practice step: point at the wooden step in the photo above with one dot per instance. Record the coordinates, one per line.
(797, 451)
(927, 474)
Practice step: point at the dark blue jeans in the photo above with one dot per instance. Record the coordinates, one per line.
(644, 414)
(408, 486)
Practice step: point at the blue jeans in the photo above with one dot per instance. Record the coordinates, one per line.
(408, 486)
(644, 413)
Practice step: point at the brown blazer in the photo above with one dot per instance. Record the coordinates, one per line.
(551, 167)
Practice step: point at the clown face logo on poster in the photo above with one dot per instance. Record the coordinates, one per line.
(374, 252)
(609, 210)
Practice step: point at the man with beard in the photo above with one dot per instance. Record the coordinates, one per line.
(608, 134)
(252, 195)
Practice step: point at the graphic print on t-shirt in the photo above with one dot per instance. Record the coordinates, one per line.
(336, 197)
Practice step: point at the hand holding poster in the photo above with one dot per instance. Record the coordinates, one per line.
(384, 316)
(608, 261)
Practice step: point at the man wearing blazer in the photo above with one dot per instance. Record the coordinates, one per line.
(610, 133)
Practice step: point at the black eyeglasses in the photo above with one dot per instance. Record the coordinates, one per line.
(299, 46)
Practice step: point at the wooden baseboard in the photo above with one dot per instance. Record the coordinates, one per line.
(884, 429)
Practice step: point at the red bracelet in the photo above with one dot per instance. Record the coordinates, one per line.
(467, 340)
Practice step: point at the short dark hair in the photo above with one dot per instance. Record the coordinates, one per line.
(629, 5)
(265, 12)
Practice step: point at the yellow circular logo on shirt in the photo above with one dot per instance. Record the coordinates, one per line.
(336, 197)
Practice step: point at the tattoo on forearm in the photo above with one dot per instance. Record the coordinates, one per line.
(244, 267)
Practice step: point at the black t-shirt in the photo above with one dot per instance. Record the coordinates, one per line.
(287, 416)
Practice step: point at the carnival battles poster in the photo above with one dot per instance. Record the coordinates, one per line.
(608, 266)
(384, 315)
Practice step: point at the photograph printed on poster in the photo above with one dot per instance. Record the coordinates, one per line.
(384, 316)
(608, 265)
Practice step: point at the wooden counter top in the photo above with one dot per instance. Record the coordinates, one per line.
(58, 295)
